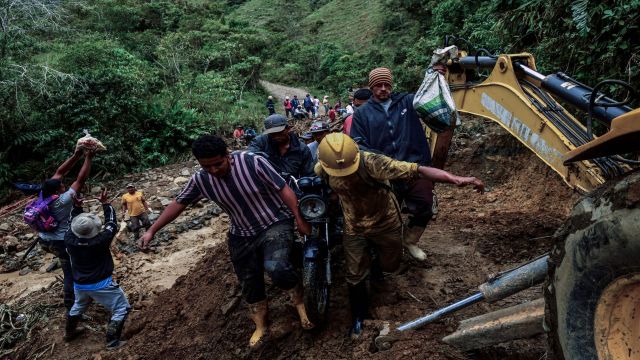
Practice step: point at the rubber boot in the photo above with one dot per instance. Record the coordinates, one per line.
(296, 295)
(258, 312)
(70, 329)
(114, 330)
(411, 237)
(376, 276)
(359, 302)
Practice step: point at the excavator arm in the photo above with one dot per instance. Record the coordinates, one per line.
(523, 102)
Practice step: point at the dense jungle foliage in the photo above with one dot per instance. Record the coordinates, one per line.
(147, 76)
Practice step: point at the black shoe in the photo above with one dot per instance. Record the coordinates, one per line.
(115, 344)
(359, 301)
(356, 328)
(70, 330)
(114, 330)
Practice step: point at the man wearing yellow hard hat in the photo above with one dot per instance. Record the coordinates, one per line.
(371, 211)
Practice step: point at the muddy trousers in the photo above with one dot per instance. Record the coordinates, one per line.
(387, 246)
(139, 222)
(111, 297)
(268, 251)
(58, 248)
(417, 199)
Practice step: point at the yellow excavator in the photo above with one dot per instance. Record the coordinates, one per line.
(591, 305)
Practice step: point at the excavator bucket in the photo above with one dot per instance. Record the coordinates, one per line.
(623, 137)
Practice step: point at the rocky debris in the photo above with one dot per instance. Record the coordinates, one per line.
(159, 186)
(180, 180)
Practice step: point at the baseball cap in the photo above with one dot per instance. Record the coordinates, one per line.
(274, 123)
(86, 226)
(130, 185)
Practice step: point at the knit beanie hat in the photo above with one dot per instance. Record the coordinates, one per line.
(380, 75)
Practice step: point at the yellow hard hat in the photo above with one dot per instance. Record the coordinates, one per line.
(338, 155)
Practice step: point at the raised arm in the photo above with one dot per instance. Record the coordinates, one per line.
(110, 221)
(84, 171)
(67, 164)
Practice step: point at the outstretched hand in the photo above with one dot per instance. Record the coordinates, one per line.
(145, 239)
(477, 184)
(103, 197)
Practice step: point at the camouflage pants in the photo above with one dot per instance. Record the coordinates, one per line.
(268, 251)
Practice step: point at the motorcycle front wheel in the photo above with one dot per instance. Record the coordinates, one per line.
(316, 290)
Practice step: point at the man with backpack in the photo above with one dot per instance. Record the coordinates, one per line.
(371, 211)
(57, 212)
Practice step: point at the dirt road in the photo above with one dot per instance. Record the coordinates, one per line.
(201, 315)
(280, 91)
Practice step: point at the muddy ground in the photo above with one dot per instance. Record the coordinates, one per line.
(186, 297)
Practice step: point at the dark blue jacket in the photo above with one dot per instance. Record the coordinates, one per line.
(399, 134)
(297, 161)
(294, 103)
(91, 260)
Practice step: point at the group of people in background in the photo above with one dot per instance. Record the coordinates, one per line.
(310, 107)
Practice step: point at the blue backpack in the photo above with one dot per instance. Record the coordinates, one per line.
(38, 216)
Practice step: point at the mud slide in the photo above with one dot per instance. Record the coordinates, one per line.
(202, 316)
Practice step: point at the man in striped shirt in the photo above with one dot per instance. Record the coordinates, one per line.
(262, 209)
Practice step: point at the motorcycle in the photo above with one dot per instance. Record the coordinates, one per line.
(325, 218)
(326, 229)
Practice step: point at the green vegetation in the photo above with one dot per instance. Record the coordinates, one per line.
(146, 77)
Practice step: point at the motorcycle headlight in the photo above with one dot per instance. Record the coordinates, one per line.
(312, 207)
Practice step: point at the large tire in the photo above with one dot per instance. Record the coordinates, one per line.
(599, 244)
(316, 290)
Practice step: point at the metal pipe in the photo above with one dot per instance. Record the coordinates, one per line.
(516, 280)
(473, 62)
(477, 297)
(503, 285)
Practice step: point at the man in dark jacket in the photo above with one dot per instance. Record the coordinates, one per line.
(282, 148)
(295, 102)
(92, 266)
(388, 124)
(271, 106)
